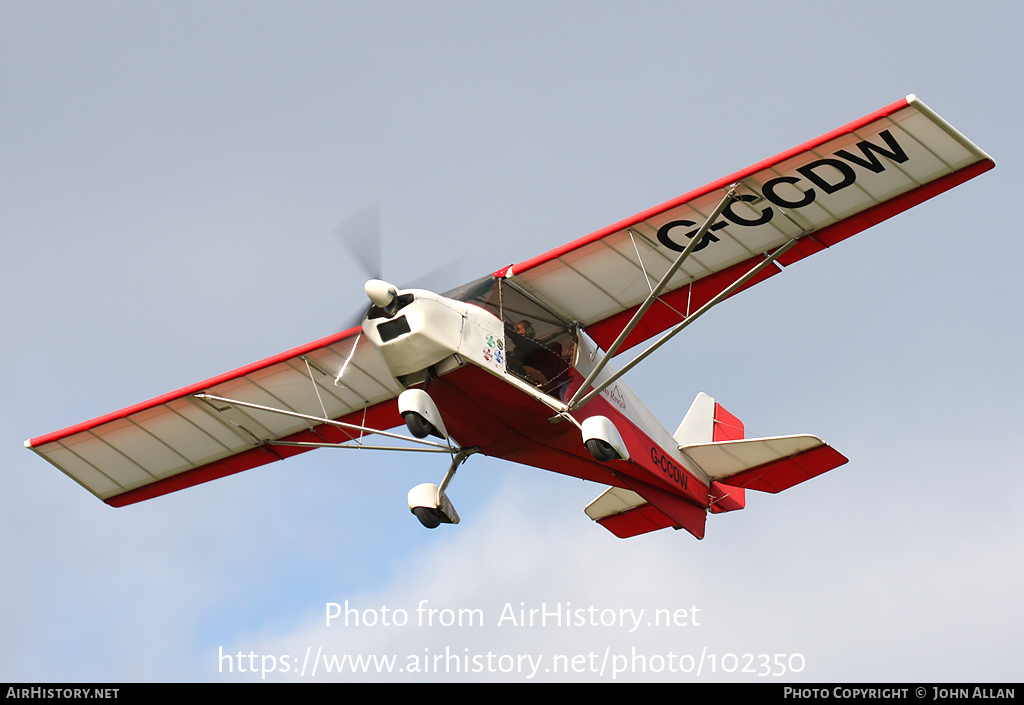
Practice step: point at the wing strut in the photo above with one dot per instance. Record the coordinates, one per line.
(576, 402)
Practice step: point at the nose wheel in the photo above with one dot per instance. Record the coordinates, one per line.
(429, 502)
(430, 518)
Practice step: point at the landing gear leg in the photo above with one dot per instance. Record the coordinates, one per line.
(429, 502)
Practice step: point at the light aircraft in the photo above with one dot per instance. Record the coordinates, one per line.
(514, 365)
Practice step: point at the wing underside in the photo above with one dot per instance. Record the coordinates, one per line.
(818, 193)
(179, 440)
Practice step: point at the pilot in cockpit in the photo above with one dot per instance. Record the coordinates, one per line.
(531, 359)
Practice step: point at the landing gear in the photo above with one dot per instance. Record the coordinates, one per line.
(421, 414)
(430, 518)
(601, 450)
(429, 502)
(602, 439)
(419, 426)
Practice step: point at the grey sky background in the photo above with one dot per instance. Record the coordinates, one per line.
(171, 177)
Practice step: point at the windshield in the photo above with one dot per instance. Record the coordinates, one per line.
(540, 346)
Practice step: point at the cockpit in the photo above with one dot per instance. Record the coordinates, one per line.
(540, 347)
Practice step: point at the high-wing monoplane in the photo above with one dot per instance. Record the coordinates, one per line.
(515, 365)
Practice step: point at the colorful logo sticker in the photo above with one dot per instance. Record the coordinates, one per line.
(495, 350)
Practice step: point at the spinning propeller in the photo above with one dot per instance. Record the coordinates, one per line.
(360, 233)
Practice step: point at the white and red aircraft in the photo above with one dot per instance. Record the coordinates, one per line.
(513, 365)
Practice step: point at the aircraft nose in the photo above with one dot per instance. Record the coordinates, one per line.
(380, 292)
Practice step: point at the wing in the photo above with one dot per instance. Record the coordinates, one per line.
(177, 440)
(821, 192)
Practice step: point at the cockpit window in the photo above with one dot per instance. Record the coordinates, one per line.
(540, 347)
(482, 292)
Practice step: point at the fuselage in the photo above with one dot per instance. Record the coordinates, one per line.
(499, 369)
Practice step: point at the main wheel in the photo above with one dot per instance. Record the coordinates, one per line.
(427, 516)
(419, 426)
(601, 450)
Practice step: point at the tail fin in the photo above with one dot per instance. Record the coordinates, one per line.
(707, 421)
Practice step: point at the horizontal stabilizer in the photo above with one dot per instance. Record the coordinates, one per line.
(765, 464)
(626, 514)
(613, 500)
(641, 519)
(643, 509)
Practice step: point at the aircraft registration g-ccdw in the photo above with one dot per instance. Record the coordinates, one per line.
(514, 365)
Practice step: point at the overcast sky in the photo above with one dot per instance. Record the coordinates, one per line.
(172, 175)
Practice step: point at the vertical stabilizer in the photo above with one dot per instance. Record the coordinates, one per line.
(698, 425)
(707, 421)
(727, 426)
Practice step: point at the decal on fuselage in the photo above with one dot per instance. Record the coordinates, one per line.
(494, 350)
(615, 397)
(669, 467)
(837, 175)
